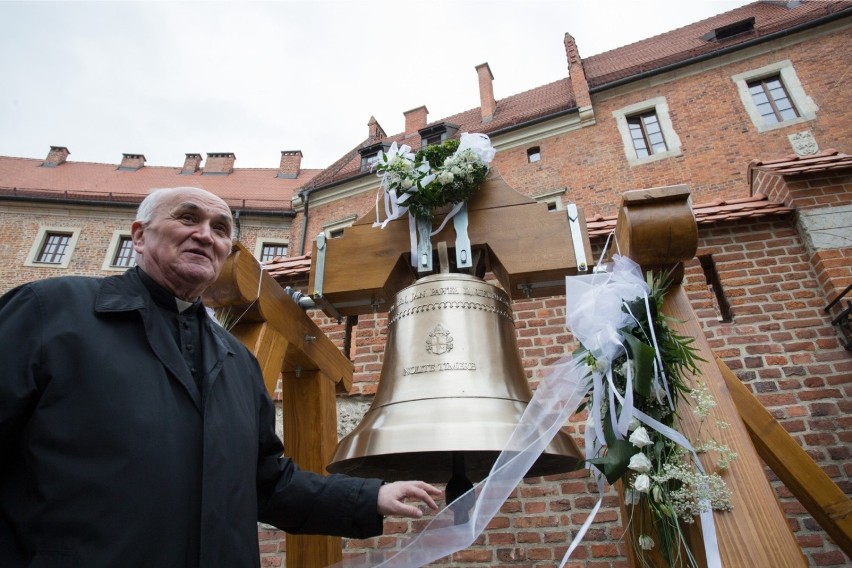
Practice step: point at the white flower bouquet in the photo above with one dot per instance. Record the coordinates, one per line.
(435, 176)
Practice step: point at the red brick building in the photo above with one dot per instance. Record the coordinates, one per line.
(749, 109)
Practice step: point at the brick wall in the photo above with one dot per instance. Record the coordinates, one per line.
(780, 344)
(825, 192)
(718, 138)
(19, 228)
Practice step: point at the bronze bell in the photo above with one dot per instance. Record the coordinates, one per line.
(451, 391)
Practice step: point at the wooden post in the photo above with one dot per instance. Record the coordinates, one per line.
(755, 533)
(284, 338)
(310, 436)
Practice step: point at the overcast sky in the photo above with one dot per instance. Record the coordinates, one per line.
(255, 78)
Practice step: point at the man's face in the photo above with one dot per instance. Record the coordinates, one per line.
(185, 243)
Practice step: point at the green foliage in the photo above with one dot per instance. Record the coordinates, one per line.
(672, 490)
(434, 177)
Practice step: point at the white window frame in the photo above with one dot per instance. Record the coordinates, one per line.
(113, 248)
(806, 107)
(339, 224)
(661, 108)
(38, 244)
(263, 241)
(554, 197)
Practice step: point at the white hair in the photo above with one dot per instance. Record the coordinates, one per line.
(150, 204)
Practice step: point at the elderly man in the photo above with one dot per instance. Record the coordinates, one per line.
(136, 432)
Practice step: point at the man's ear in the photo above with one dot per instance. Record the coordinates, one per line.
(137, 233)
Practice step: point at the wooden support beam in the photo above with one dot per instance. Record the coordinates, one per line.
(310, 437)
(288, 344)
(254, 296)
(656, 228)
(529, 249)
(268, 346)
(755, 533)
(808, 483)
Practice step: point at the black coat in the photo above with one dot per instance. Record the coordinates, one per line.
(109, 456)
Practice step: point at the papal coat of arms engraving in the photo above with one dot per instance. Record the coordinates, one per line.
(803, 143)
(439, 341)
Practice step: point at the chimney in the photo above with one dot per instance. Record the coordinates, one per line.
(577, 75)
(291, 162)
(487, 104)
(415, 119)
(131, 162)
(376, 130)
(219, 163)
(56, 157)
(191, 164)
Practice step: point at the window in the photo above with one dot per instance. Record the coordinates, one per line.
(774, 97)
(370, 155)
(368, 161)
(269, 246)
(553, 198)
(771, 99)
(53, 247)
(714, 286)
(534, 155)
(647, 132)
(125, 256)
(334, 230)
(120, 254)
(731, 30)
(270, 250)
(431, 140)
(437, 133)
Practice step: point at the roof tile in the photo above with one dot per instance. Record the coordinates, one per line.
(687, 42)
(249, 188)
(829, 159)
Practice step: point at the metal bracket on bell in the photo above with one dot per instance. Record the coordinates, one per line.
(320, 269)
(577, 238)
(424, 245)
(318, 279)
(464, 258)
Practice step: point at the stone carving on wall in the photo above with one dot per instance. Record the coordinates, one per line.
(803, 143)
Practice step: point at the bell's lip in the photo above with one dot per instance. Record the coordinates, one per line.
(416, 440)
(437, 467)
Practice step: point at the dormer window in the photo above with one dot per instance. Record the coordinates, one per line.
(370, 155)
(437, 133)
(731, 30)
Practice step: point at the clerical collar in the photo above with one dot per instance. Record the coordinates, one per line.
(165, 298)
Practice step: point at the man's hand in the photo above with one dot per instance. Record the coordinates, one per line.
(392, 495)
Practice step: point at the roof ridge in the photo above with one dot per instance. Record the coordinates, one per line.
(646, 40)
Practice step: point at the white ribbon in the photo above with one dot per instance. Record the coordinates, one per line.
(393, 202)
(594, 316)
(555, 400)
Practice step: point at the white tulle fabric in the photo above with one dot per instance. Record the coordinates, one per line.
(594, 316)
